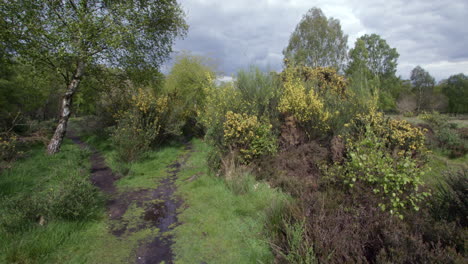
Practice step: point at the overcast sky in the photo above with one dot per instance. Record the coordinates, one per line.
(239, 33)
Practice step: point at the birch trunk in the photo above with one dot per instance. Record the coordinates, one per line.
(59, 134)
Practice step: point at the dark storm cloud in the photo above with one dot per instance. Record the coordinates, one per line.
(239, 33)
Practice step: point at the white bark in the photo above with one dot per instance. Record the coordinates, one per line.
(57, 138)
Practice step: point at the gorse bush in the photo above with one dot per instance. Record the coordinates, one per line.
(249, 136)
(219, 101)
(319, 100)
(140, 126)
(323, 79)
(382, 157)
(304, 104)
(435, 119)
(396, 180)
(237, 116)
(400, 136)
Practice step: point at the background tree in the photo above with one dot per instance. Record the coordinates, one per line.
(317, 41)
(423, 85)
(68, 36)
(456, 89)
(186, 89)
(381, 58)
(373, 59)
(357, 70)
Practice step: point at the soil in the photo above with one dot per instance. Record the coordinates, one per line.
(164, 216)
(160, 205)
(101, 175)
(295, 168)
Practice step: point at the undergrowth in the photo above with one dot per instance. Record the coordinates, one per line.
(45, 201)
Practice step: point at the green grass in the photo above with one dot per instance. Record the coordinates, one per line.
(460, 120)
(439, 164)
(150, 170)
(141, 174)
(23, 197)
(59, 240)
(219, 226)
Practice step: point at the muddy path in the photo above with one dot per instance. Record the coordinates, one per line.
(101, 175)
(164, 215)
(160, 206)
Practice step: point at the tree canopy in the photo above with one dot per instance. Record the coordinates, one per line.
(373, 60)
(59, 33)
(317, 42)
(456, 89)
(69, 35)
(376, 54)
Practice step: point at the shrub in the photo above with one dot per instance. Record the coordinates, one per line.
(249, 136)
(219, 101)
(435, 120)
(140, 126)
(8, 147)
(303, 103)
(400, 136)
(259, 91)
(409, 114)
(323, 79)
(254, 94)
(186, 87)
(319, 100)
(382, 157)
(396, 180)
(74, 198)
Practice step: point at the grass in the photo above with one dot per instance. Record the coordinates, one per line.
(23, 196)
(439, 163)
(460, 120)
(61, 240)
(219, 226)
(149, 171)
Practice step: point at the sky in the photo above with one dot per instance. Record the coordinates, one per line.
(240, 33)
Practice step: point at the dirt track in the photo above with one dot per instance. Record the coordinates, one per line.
(162, 213)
